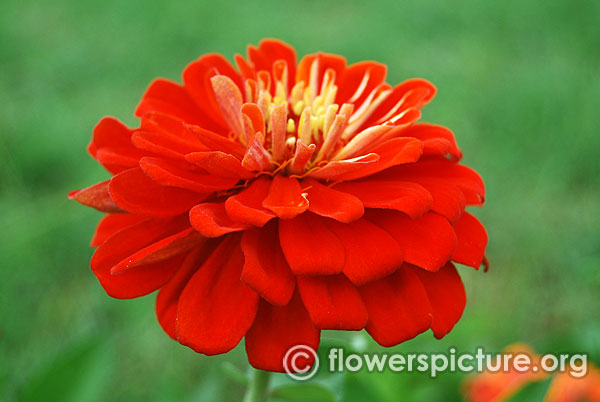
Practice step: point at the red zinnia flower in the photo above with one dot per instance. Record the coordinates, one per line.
(278, 199)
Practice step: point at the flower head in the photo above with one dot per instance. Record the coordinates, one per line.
(278, 199)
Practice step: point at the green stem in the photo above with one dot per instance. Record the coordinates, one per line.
(258, 386)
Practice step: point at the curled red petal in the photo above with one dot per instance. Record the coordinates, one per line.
(332, 302)
(122, 245)
(472, 240)
(331, 203)
(97, 197)
(276, 329)
(285, 197)
(230, 100)
(398, 308)
(161, 250)
(217, 142)
(216, 308)
(396, 151)
(134, 191)
(310, 247)
(256, 157)
(338, 170)
(246, 206)
(220, 164)
(265, 267)
(446, 295)
(211, 220)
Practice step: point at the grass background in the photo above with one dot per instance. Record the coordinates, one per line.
(518, 82)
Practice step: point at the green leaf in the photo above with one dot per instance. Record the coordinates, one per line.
(303, 392)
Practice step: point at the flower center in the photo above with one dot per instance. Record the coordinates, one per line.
(298, 130)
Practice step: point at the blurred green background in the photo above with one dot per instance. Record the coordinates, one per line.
(518, 81)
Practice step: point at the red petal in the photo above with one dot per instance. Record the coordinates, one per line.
(276, 330)
(398, 308)
(256, 117)
(256, 157)
(168, 174)
(265, 268)
(97, 197)
(142, 279)
(310, 247)
(196, 79)
(302, 156)
(168, 97)
(446, 295)
(333, 302)
(371, 253)
(428, 241)
(285, 197)
(325, 201)
(351, 88)
(448, 200)
(211, 220)
(326, 61)
(396, 151)
(407, 197)
(268, 52)
(414, 93)
(164, 135)
(337, 170)
(230, 101)
(448, 172)
(168, 296)
(220, 164)
(437, 140)
(216, 309)
(135, 192)
(113, 223)
(111, 133)
(217, 142)
(472, 240)
(117, 160)
(246, 206)
(111, 145)
(161, 250)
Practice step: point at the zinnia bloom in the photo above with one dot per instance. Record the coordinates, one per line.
(500, 386)
(279, 199)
